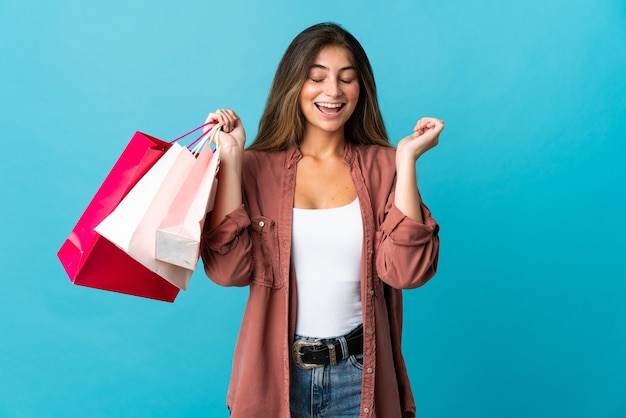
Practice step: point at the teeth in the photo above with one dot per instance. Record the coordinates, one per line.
(330, 105)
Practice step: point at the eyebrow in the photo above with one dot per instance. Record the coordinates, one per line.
(326, 68)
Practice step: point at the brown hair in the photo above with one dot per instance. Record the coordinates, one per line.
(282, 123)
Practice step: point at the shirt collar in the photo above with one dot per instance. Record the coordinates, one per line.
(294, 155)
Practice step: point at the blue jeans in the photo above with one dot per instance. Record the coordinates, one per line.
(328, 391)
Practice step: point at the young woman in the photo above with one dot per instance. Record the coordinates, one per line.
(322, 218)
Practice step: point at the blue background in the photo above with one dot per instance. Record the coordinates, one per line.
(527, 314)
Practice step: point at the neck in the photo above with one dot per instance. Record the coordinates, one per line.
(321, 144)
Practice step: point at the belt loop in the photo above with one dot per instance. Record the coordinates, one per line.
(344, 347)
(332, 354)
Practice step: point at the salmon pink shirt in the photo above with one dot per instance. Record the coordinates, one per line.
(252, 247)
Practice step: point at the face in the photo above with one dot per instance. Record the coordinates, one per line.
(330, 92)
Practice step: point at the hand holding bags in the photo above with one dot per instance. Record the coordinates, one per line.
(132, 225)
(178, 236)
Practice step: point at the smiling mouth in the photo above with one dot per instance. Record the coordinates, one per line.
(329, 108)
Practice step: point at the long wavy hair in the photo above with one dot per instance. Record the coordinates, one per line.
(282, 124)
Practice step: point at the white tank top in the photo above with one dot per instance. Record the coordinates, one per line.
(326, 254)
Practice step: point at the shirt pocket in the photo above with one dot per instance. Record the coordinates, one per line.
(265, 253)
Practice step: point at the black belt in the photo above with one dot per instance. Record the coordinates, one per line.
(311, 354)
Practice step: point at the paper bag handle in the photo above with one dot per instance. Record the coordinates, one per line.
(192, 131)
(210, 136)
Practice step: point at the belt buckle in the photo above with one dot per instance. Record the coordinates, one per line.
(297, 353)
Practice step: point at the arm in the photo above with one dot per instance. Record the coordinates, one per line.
(408, 240)
(425, 136)
(231, 140)
(226, 250)
(407, 250)
(226, 245)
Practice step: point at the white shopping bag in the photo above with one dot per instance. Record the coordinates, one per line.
(132, 225)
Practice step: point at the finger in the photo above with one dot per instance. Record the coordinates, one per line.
(212, 117)
(220, 118)
(436, 121)
(229, 119)
(438, 124)
(421, 127)
(428, 123)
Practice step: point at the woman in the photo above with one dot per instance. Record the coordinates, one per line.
(322, 219)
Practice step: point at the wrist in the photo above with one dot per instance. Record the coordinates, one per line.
(405, 163)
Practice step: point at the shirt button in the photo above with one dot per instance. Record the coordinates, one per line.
(370, 370)
(371, 293)
(261, 224)
(366, 410)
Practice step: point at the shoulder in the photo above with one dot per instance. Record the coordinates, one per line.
(263, 165)
(377, 167)
(376, 156)
(263, 159)
(263, 175)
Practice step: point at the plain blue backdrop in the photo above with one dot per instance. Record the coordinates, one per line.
(527, 314)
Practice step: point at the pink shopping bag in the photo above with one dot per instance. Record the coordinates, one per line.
(91, 260)
(178, 236)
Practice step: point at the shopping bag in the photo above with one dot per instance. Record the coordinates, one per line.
(91, 260)
(178, 236)
(132, 225)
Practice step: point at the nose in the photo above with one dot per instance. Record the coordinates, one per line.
(332, 87)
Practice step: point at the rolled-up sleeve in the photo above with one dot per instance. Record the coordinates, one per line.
(226, 250)
(407, 251)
